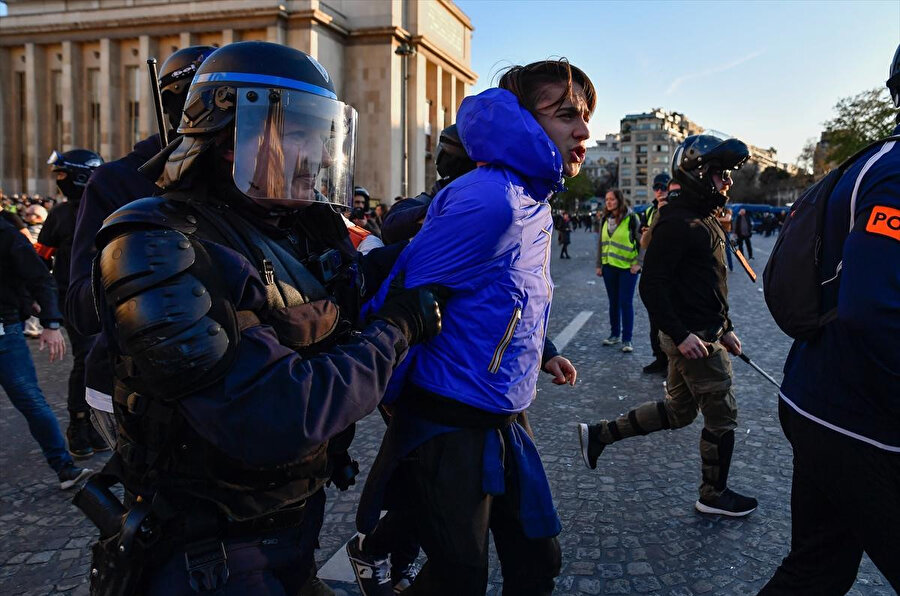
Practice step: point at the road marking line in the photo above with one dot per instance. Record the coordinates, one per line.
(566, 335)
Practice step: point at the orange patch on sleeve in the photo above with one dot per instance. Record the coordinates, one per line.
(885, 221)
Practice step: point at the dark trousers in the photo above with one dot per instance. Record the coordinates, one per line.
(845, 499)
(620, 284)
(745, 240)
(564, 254)
(454, 515)
(395, 535)
(81, 345)
(274, 563)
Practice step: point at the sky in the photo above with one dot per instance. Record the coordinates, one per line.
(768, 73)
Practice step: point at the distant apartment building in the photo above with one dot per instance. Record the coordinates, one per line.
(646, 144)
(601, 158)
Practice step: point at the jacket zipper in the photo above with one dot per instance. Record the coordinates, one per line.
(504, 342)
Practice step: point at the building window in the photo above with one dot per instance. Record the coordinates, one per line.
(56, 106)
(640, 138)
(626, 148)
(133, 84)
(93, 93)
(641, 148)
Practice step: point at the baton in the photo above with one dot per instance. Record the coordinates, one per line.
(756, 367)
(157, 103)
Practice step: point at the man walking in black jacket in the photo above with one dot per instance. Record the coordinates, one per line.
(23, 281)
(684, 287)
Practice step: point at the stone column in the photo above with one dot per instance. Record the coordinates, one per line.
(111, 100)
(461, 90)
(73, 102)
(6, 165)
(149, 48)
(276, 33)
(186, 40)
(450, 98)
(416, 113)
(37, 105)
(227, 36)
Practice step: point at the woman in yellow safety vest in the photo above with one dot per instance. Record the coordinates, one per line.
(617, 264)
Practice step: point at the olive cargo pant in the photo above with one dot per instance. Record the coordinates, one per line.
(702, 385)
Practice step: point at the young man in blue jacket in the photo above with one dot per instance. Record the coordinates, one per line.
(840, 398)
(468, 467)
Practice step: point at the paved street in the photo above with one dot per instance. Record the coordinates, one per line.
(629, 527)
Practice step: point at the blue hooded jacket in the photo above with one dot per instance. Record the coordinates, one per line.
(487, 238)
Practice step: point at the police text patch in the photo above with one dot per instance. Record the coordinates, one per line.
(885, 221)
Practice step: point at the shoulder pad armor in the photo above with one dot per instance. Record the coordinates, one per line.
(173, 316)
(147, 212)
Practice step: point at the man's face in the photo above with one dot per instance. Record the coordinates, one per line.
(359, 201)
(722, 180)
(660, 192)
(565, 124)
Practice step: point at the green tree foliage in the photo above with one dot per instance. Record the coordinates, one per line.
(578, 188)
(859, 120)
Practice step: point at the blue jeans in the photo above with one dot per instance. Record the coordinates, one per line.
(620, 284)
(19, 379)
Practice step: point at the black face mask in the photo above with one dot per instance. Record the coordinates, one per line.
(71, 190)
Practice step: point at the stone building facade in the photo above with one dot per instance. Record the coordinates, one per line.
(73, 74)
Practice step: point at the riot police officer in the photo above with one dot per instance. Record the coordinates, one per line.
(685, 289)
(72, 170)
(230, 298)
(112, 185)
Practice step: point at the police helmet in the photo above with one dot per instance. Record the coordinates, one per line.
(294, 142)
(77, 164)
(361, 191)
(698, 157)
(451, 158)
(893, 82)
(175, 76)
(661, 181)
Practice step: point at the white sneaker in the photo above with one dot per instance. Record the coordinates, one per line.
(627, 347)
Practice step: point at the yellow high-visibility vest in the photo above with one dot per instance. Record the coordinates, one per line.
(618, 249)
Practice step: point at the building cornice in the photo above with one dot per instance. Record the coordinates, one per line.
(423, 42)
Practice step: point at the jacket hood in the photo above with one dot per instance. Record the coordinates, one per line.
(496, 129)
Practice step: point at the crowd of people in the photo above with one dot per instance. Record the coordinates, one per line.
(241, 256)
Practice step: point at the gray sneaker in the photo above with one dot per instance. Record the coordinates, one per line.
(70, 475)
(611, 340)
(627, 347)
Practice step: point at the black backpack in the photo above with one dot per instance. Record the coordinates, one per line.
(791, 281)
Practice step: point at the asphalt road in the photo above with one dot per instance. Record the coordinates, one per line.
(629, 527)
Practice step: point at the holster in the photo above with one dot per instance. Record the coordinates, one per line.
(113, 574)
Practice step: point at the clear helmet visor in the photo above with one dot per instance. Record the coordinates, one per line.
(294, 147)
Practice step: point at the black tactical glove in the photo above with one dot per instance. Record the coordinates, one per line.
(416, 311)
(344, 470)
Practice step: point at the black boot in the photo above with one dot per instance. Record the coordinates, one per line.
(715, 453)
(660, 365)
(79, 435)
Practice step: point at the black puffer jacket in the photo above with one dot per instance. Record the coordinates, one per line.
(23, 278)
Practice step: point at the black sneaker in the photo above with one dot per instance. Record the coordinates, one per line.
(591, 447)
(728, 503)
(373, 575)
(657, 366)
(70, 475)
(403, 577)
(78, 435)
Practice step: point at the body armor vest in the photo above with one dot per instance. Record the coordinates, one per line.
(158, 453)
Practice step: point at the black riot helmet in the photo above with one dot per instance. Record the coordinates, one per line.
(661, 181)
(77, 166)
(698, 157)
(893, 82)
(175, 76)
(451, 158)
(294, 143)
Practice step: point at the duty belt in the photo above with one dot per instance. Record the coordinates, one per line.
(711, 335)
